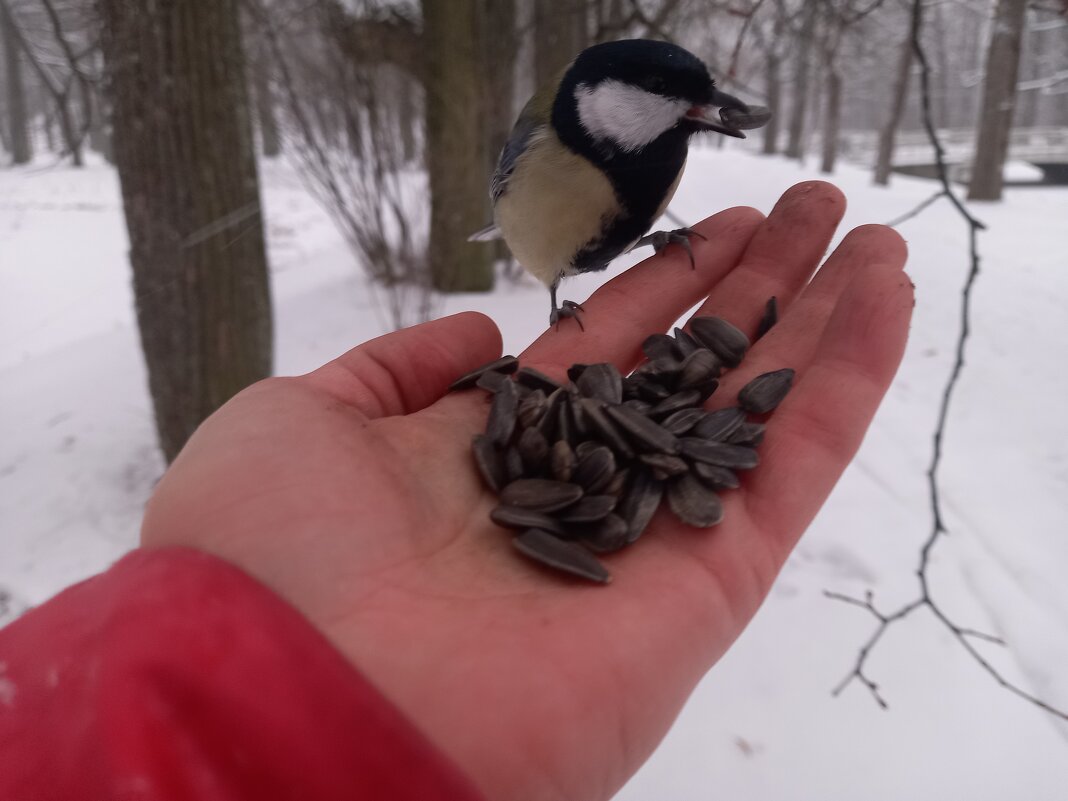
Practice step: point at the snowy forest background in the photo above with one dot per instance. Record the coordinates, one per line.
(194, 195)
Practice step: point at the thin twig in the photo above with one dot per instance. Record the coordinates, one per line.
(909, 215)
(938, 527)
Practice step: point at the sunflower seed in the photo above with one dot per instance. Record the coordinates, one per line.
(680, 400)
(720, 425)
(541, 494)
(736, 457)
(513, 464)
(616, 485)
(694, 503)
(739, 120)
(646, 434)
(492, 382)
(653, 392)
(605, 428)
(490, 462)
(566, 556)
(658, 346)
(502, 414)
(518, 517)
(589, 510)
(699, 368)
(640, 406)
(771, 316)
(766, 391)
(530, 377)
(550, 417)
(531, 408)
(683, 420)
(594, 469)
(534, 449)
(667, 465)
(562, 461)
(576, 370)
(685, 344)
(563, 419)
(605, 536)
(601, 381)
(505, 364)
(715, 477)
(662, 370)
(722, 338)
(706, 389)
(640, 502)
(750, 434)
(583, 449)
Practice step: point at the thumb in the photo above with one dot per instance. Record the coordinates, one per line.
(410, 369)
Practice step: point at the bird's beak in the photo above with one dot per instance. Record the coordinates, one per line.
(728, 115)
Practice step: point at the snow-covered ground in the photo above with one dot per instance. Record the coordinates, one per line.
(78, 460)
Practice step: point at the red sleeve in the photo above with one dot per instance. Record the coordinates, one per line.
(176, 676)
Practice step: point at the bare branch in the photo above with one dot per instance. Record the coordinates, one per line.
(938, 528)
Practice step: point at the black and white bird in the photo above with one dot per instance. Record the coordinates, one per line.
(594, 160)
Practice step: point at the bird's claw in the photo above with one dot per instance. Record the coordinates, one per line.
(567, 308)
(680, 236)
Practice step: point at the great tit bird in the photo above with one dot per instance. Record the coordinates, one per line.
(594, 159)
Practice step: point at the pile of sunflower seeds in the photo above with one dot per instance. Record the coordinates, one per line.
(581, 468)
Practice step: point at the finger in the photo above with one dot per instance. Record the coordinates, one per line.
(781, 256)
(819, 426)
(407, 370)
(792, 342)
(647, 298)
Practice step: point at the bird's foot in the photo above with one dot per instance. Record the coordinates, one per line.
(680, 236)
(567, 308)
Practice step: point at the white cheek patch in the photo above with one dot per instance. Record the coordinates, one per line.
(626, 115)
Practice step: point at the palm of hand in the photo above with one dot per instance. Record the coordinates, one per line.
(351, 492)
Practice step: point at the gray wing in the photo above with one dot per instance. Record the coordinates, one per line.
(515, 147)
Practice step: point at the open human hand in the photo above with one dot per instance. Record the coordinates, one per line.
(351, 492)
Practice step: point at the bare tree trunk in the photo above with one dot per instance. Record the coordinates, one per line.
(773, 79)
(999, 100)
(831, 119)
(270, 141)
(795, 144)
(884, 158)
(67, 128)
(18, 123)
(500, 43)
(456, 161)
(184, 152)
(559, 35)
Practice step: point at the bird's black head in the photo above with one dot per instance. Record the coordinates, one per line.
(622, 96)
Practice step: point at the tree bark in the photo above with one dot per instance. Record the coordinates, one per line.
(795, 143)
(18, 123)
(500, 44)
(184, 152)
(999, 100)
(560, 32)
(270, 141)
(456, 158)
(885, 155)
